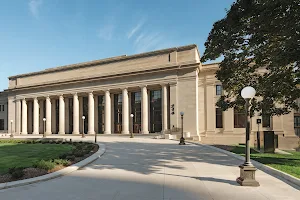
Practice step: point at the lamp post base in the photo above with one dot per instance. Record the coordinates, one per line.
(247, 176)
(181, 141)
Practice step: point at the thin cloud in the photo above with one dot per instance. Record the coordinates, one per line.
(106, 32)
(34, 6)
(148, 42)
(135, 29)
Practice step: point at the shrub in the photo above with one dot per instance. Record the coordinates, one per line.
(63, 156)
(16, 173)
(70, 157)
(63, 162)
(43, 164)
(78, 153)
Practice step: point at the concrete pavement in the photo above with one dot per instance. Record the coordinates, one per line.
(150, 169)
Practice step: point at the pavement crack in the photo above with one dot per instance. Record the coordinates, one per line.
(116, 195)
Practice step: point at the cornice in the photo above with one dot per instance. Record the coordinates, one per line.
(107, 60)
(160, 68)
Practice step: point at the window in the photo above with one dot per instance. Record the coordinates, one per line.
(266, 121)
(218, 89)
(297, 125)
(239, 118)
(1, 108)
(219, 118)
(1, 124)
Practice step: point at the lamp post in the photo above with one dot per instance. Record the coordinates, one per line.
(247, 170)
(182, 138)
(83, 118)
(11, 130)
(131, 135)
(44, 120)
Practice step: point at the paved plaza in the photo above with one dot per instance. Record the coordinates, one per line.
(155, 169)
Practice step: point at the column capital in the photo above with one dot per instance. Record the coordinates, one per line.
(143, 86)
(163, 84)
(91, 93)
(173, 84)
(61, 96)
(48, 97)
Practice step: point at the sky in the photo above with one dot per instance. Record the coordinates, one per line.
(40, 34)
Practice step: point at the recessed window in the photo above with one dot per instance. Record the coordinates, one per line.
(239, 118)
(1, 124)
(218, 89)
(266, 121)
(219, 118)
(297, 125)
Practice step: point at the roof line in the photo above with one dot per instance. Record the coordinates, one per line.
(105, 60)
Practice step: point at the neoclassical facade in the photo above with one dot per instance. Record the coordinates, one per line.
(154, 86)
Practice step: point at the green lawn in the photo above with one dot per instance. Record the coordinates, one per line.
(25, 155)
(287, 163)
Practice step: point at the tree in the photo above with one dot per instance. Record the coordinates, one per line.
(260, 43)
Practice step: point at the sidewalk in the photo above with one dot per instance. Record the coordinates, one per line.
(156, 169)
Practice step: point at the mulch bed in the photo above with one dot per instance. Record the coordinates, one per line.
(34, 172)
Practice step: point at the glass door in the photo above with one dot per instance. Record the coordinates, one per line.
(118, 112)
(136, 111)
(155, 111)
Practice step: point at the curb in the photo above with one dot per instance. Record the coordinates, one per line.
(274, 172)
(59, 173)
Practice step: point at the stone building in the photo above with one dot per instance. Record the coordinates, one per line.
(154, 86)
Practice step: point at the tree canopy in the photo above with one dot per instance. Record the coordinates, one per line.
(260, 43)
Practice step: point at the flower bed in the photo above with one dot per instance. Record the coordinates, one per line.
(22, 159)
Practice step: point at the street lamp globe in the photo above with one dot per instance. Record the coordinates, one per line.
(248, 92)
(131, 115)
(11, 121)
(44, 119)
(181, 113)
(83, 117)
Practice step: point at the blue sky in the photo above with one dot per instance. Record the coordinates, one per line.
(39, 34)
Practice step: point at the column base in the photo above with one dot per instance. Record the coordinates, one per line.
(48, 133)
(35, 133)
(125, 132)
(107, 132)
(145, 132)
(91, 132)
(61, 133)
(75, 133)
(24, 133)
(247, 176)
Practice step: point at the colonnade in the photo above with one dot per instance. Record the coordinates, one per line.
(22, 112)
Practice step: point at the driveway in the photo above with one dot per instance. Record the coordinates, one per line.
(155, 169)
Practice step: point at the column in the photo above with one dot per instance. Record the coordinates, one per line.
(125, 112)
(96, 113)
(75, 114)
(67, 120)
(61, 115)
(91, 122)
(210, 109)
(228, 121)
(107, 124)
(35, 116)
(145, 129)
(48, 115)
(29, 117)
(164, 108)
(18, 117)
(24, 116)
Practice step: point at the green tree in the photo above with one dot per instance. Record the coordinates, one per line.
(256, 35)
